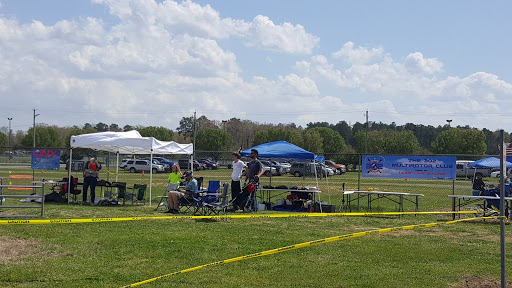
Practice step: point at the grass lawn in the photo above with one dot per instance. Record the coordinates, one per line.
(113, 254)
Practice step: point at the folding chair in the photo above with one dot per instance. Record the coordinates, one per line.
(163, 198)
(191, 203)
(74, 191)
(121, 190)
(216, 207)
(212, 194)
(139, 193)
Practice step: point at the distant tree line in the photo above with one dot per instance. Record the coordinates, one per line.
(318, 137)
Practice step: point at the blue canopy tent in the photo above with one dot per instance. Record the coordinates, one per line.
(491, 162)
(284, 150)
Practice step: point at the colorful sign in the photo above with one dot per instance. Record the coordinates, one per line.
(413, 167)
(45, 159)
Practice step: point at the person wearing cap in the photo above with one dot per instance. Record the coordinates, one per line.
(174, 196)
(252, 174)
(91, 169)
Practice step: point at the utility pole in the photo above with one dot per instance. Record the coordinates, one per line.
(10, 133)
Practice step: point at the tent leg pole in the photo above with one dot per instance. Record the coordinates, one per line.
(117, 165)
(69, 171)
(316, 178)
(150, 177)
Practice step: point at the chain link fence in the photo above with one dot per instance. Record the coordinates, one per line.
(331, 185)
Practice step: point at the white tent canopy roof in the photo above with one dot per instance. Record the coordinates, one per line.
(130, 142)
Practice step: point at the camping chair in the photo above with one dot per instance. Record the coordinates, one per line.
(121, 190)
(74, 190)
(212, 194)
(216, 207)
(163, 198)
(192, 203)
(139, 193)
(199, 182)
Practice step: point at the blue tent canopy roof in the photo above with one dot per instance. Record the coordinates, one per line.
(283, 150)
(490, 162)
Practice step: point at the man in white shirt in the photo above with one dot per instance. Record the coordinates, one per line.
(236, 186)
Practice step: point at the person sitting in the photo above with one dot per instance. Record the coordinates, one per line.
(174, 196)
(478, 185)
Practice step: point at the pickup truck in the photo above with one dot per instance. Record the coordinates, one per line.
(464, 170)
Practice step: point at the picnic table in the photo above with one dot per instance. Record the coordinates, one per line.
(397, 197)
(464, 200)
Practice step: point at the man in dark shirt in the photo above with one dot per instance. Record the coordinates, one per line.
(253, 173)
(478, 185)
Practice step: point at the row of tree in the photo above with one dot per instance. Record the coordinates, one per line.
(319, 137)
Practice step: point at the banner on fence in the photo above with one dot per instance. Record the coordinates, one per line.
(45, 159)
(413, 167)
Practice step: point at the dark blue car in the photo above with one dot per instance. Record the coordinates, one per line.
(165, 161)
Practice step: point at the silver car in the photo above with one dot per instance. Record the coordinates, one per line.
(136, 165)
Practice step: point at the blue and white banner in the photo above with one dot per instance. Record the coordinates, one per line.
(45, 159)
(413, 167)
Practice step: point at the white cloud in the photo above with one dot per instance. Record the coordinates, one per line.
(262, 32)
(204, 21)
(360, 55)
(407, 87)
(162, 61)
(416, 63)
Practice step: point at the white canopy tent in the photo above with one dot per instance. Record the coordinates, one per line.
(130, 142)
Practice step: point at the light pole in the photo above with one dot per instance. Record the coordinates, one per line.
(34, 128)
(34, 146)
(10, 133)
(449, 123)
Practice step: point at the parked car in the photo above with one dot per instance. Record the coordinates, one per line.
(280, 170)
(165, 161)
(208, 164)
(330, 171)
(138, 165)
(167, 167)
(286, 165)
(267, 170)
(285, 168)
(338, 168)
(497, 173)
(464, 170)
(300, 169)
(123, 163)
(185, 165)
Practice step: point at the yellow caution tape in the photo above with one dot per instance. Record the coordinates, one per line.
(96, 220)
(306, 244)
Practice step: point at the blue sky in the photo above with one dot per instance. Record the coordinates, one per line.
(152, 62)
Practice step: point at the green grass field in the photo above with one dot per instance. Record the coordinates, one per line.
(113, 254)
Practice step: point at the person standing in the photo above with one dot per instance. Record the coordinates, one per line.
(478, 185)
(175, 175)
(236, 185)
(92, 167)
(252, 174)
